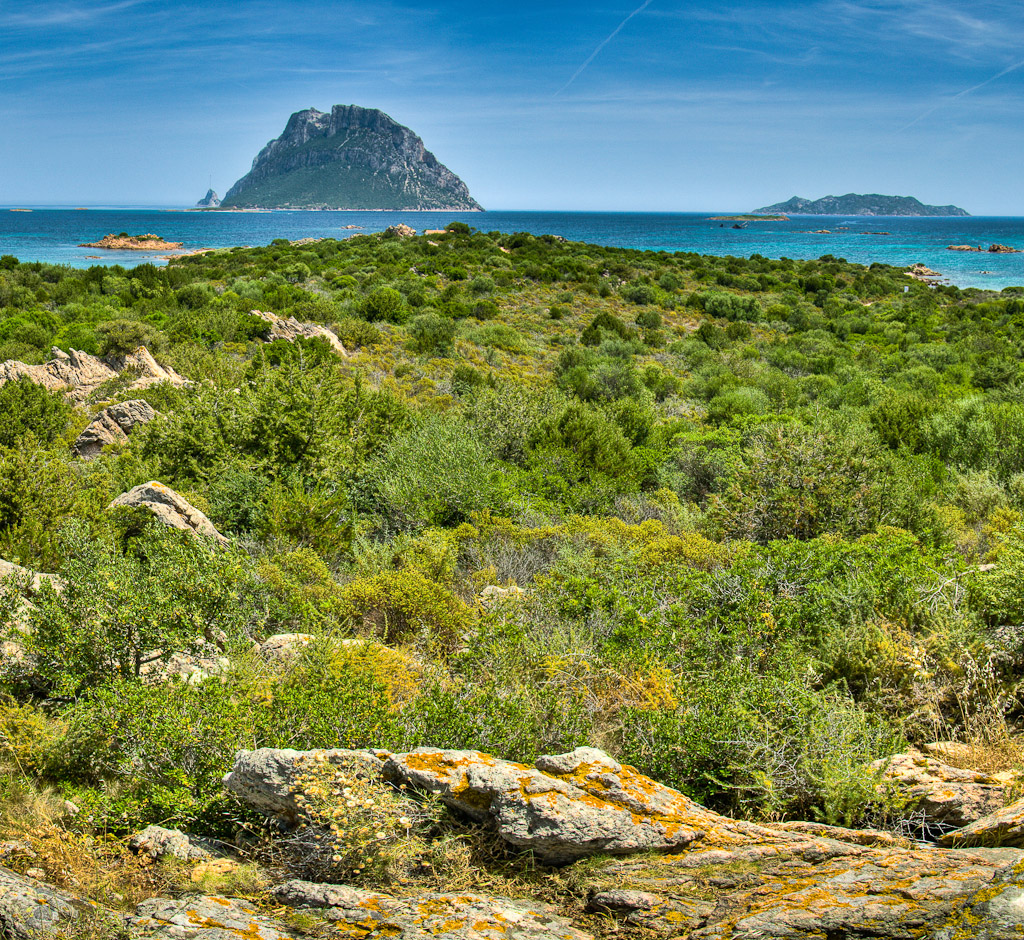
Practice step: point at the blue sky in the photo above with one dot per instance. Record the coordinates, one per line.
(669, 106)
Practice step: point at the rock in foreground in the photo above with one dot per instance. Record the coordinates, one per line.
(291, 329)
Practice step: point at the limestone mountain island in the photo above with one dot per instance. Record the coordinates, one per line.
(856, 204)
(350, 158)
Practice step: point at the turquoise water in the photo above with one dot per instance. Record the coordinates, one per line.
(52, 235)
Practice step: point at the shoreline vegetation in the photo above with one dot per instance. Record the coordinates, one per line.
(720, 560)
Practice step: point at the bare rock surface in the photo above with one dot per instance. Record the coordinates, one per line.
(265, 778)
(205, 918)
(1004, 827)
(400, 231)
(79, 374)
(359, 913)
(282, 646)
(949, 797)
(169, 508)
(291, 329)
(112, 426)
(568, 807)
(29, 908)
(157, 842)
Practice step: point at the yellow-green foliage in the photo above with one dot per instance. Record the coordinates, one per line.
(308, 594)
(404, 606)
(26, 735)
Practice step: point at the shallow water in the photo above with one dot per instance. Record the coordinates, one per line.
(52, 235)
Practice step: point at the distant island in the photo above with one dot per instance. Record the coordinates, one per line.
(856, 204)
(210, 201)
(350, 158)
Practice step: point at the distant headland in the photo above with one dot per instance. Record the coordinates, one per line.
(857, 204)
(349, 158)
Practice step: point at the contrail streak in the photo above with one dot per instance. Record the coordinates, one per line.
(593, 55)
(966, 91)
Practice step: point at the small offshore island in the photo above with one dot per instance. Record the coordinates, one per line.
(351, 158)
(126, 242)
(857, 204)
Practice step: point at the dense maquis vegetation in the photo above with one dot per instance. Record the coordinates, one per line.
(743, 513)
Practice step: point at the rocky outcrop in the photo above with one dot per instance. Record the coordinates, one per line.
(79, 374)
(210, 201)
(29, 908)
(1002, 827)
(157, 842)
(399, 231)
(567, 807)
(464, 916)
(349, 158)
(205, 918)
(949, 797)
(147, 242)
(265, 779)
(291, 329)
(169, 508)
(112, 426)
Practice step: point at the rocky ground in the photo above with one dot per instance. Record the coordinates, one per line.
(610, 851)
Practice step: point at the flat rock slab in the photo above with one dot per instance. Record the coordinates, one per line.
(205, 918)
(29, 908)
(359, 913)
(816, 888)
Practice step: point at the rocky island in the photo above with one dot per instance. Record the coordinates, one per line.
(856, 204)
(126, 242)
(349, 158)
(210, 201)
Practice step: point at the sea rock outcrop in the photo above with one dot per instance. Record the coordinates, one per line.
(112, 426)
(463, 916)
(210, 201)
(291, 329)
(79, 374)
(169, 508)
(147, 242)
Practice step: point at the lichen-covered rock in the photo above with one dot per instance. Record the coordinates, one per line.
(996, 912)
(157, 842)
(265, 778)
(358, 913)
(797, 890)
(29, 908)
(949, 797)
(112, 426)
(205, 918)
(577, 805)
(1004, 827)
(169, 508)
(291, 329)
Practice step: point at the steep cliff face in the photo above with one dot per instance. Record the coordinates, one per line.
(350, 158)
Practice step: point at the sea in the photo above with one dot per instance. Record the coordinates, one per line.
(53, 235)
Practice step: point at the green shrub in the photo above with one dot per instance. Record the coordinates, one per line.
(385, 303)
(29, 408)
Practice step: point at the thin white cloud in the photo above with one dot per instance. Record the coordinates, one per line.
(593, 55)
(961, 94)
(65, 14)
